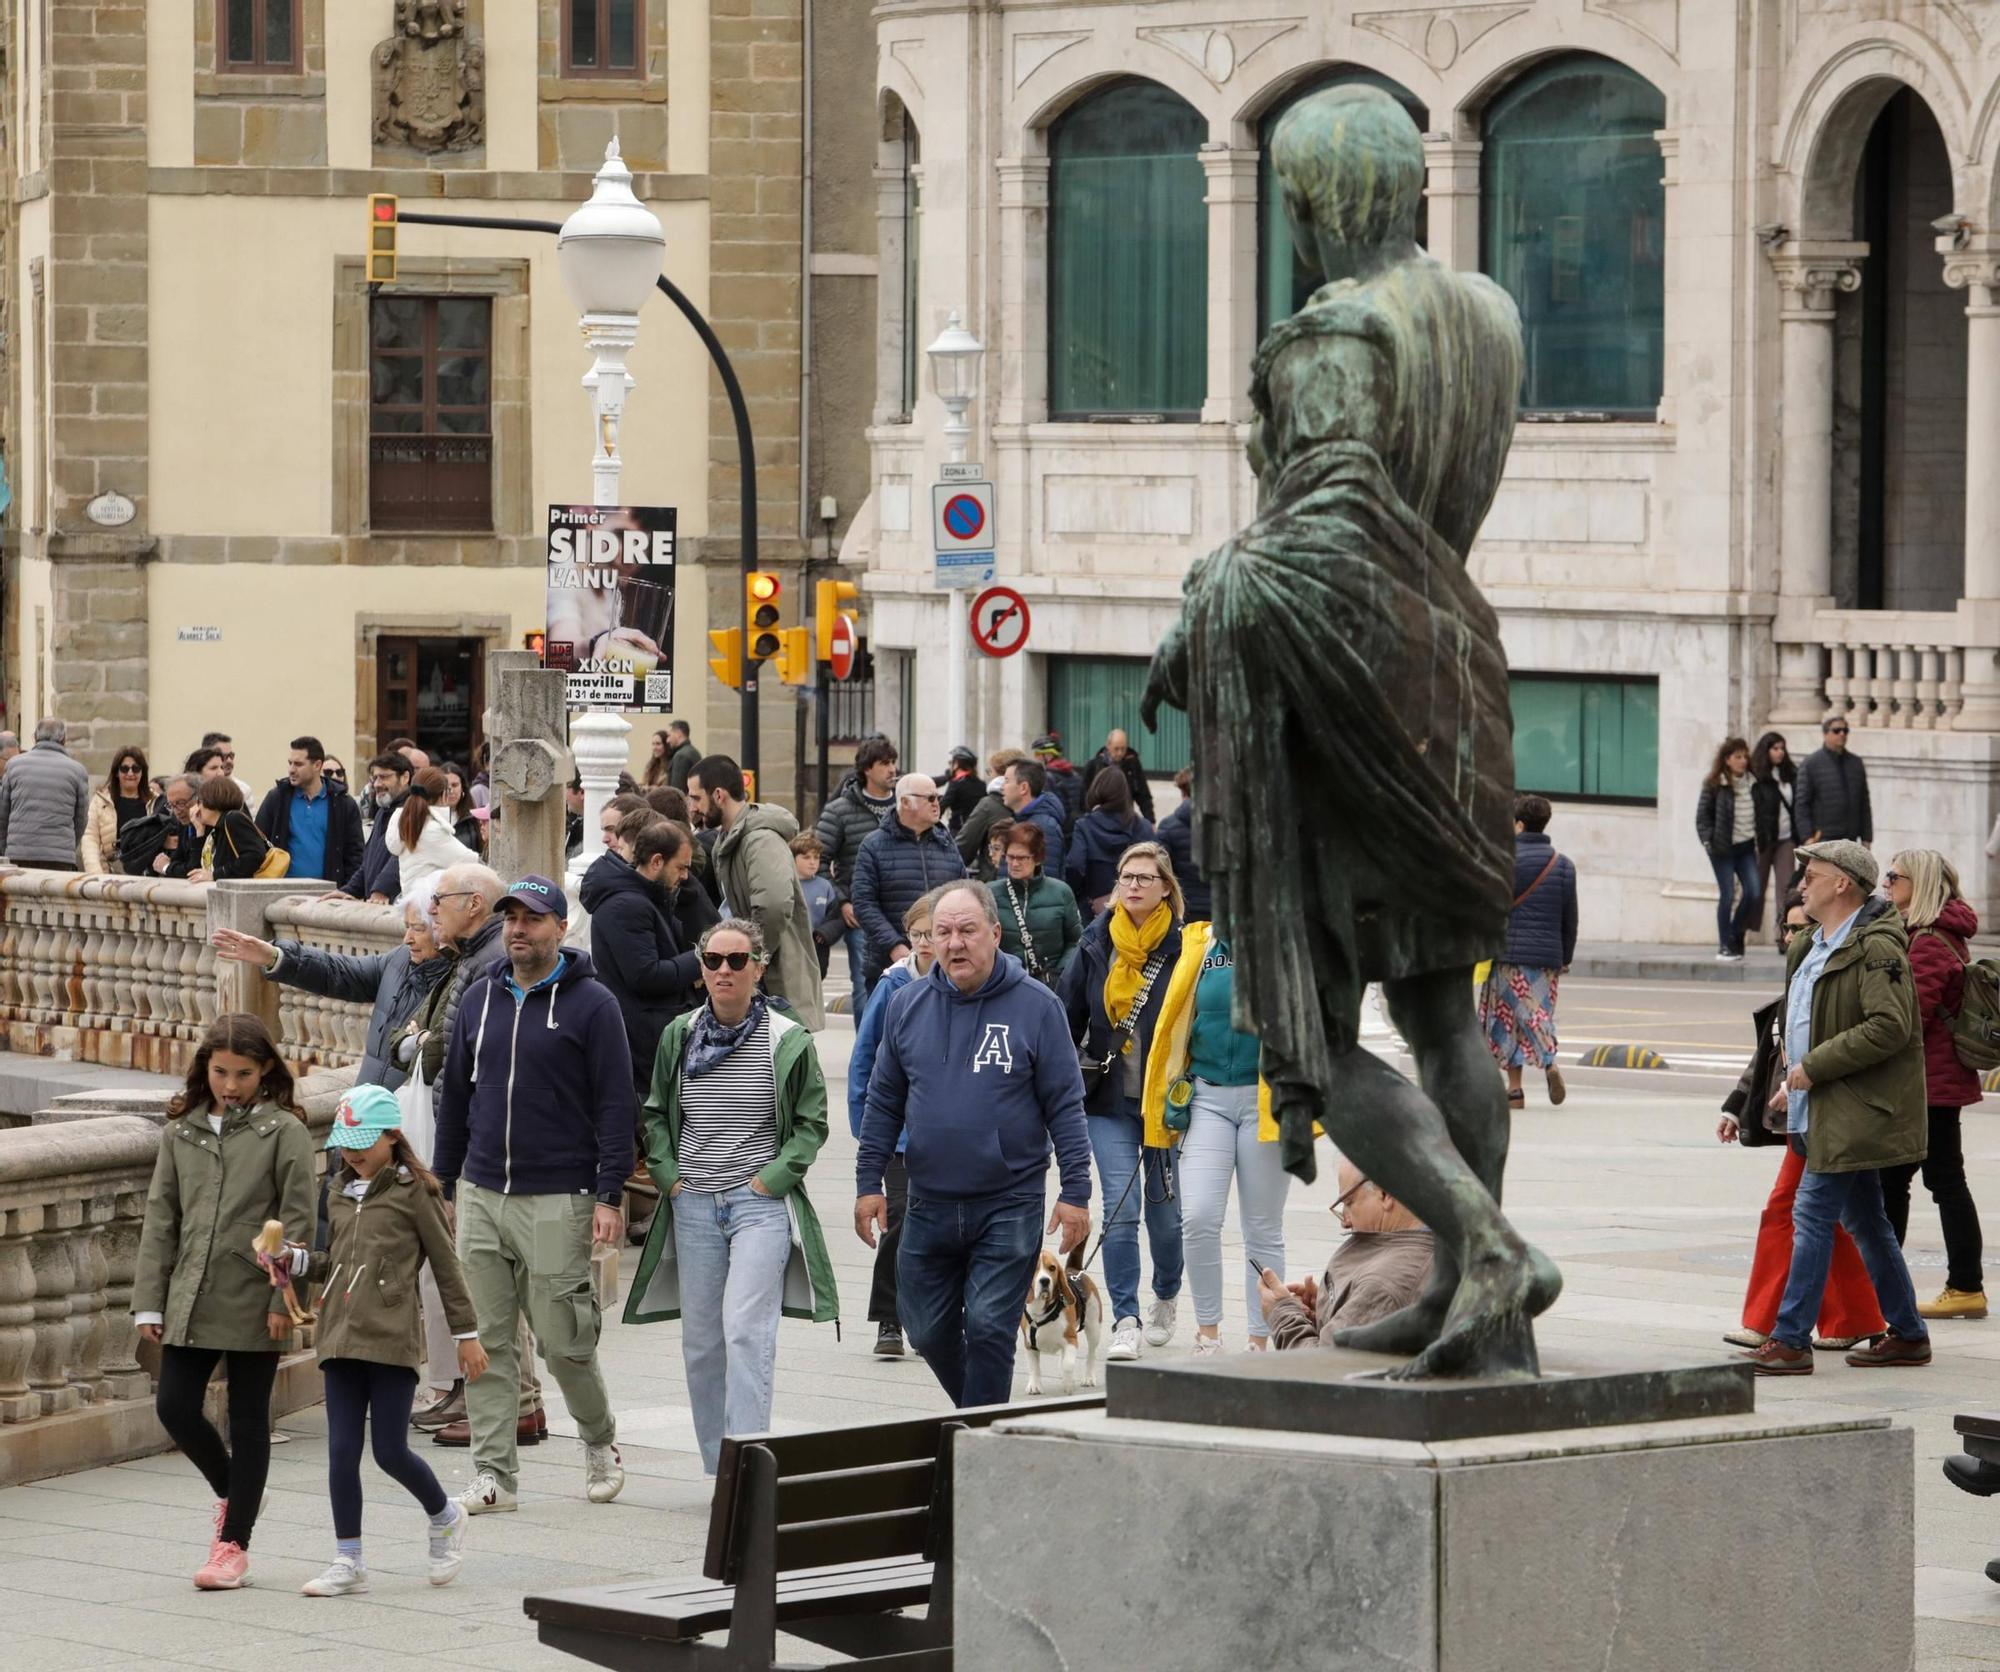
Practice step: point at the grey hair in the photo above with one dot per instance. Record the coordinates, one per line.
(51, 731)
(482, 879)
(737, 926)
(9, 741)
(989, 908)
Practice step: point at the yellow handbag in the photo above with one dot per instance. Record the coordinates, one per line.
(276, 862)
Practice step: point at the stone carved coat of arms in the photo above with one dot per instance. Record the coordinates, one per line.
(430, 79)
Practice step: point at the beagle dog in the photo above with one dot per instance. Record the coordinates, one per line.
(1063, 1302)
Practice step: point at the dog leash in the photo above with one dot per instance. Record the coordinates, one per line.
(1105, 1229)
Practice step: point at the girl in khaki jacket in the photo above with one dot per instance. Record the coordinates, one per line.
(386, 1217)
(233, 1154)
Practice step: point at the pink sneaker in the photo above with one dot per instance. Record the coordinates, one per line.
(225, 1569)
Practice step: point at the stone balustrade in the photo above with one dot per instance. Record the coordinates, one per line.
(319, 1031)
(1902, 669)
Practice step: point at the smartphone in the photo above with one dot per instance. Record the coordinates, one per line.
(1254, 1266)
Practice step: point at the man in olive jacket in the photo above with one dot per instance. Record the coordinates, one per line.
(1854, 1101)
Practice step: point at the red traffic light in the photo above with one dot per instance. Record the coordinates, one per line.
(384, 208)
(763, 586)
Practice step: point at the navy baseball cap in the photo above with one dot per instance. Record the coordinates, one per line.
(537, 894)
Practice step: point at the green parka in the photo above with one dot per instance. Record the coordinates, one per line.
(810, 1292)
(1053, 921)
(369, 1304)
(209, 1198)
(1866, 1107)
(760, 881)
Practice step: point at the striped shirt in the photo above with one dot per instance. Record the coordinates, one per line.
(729, 1117)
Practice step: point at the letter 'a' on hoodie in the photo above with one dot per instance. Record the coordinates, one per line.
(984, 1084)
(536, 1096)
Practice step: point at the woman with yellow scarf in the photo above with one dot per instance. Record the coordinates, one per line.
(1114, 990)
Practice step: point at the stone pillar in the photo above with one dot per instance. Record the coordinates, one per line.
(1809, 277)
(1021, 360)
(1232, 281)
(531, 765)
(892, 305)
(1976, 270)
(241, 988)
(1670, 307)
(1451, 187)
(599, 744)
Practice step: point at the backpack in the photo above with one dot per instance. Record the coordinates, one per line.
(144, 840)
(1975, 1026)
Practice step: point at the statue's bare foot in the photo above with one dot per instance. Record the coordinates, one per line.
(1415, 1327)
(1490, 1328)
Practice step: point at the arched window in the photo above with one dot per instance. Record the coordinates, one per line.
(1284, 282)
(1128, 256)
(1572, 213)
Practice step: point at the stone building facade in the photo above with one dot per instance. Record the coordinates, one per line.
(1754, 248)
(238, 473)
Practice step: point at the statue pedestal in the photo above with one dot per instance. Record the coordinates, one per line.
(1728, 1540)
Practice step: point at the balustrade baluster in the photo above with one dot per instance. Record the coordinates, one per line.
(1952, 691)
(1930, 659)
(119, 1243)
(1903, 692)
(88, 1326)
(1882, 684)
(48, 1363)
(17, 1316)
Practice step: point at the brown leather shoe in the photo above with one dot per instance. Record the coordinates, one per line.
(531, 1430)
(1774, 1358)
(1885, 1350)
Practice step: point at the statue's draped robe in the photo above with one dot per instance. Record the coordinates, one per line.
(1343, 678)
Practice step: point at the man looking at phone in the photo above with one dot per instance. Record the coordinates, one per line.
(1379, 1268)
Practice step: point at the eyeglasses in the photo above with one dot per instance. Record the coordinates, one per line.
(930, 798)
(920, 937)
(1129, 878)
(715, 960)
(457, 894)
(1894, 876)
(1836, 731)
(1347, 1196)
(128, 767)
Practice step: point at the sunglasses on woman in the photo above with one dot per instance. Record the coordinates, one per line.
(715, 960)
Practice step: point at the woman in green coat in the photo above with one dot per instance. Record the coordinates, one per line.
(233, 1154)
(1039, 922)
(736, 1114)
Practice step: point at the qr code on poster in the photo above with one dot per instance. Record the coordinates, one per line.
(659, 690)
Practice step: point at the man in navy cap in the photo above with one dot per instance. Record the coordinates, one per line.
(536, 1115)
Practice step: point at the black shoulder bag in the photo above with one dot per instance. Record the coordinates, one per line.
(1095, 1070)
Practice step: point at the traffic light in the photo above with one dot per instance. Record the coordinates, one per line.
(831, 598)
(795, 657)
(727, 662)
(536, 641)
(760, 597)
(381, 237)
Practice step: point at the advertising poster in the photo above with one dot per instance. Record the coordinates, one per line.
(611, 605)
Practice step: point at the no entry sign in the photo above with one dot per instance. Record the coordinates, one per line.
(1000, 621)
(840, 647)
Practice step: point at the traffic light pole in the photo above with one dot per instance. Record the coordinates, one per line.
(746, 451)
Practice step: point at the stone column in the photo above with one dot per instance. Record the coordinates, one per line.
(1022, 361)
(1670, 305)
(1976, 270)
(1809, 277)
(1451, 187)
(1232, 281)
(892, 306)
(531, 765)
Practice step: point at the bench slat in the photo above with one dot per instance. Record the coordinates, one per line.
(855, 1538)
(1986, 1424)
(651, 1610)
(844, 1492)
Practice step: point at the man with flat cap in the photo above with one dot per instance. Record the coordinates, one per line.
(535, 1122)
(1854, 1102)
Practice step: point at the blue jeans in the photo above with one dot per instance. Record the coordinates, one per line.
(731, 1246)
(962, 1274)
(1222, 1140)
(1739, 865)
(857, 949)
(1117, 1142)
(1854, 1200)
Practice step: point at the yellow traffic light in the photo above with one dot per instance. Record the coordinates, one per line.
(795, 658)
(760, 597)
(727, 662)
(381, 237)
(831, 598)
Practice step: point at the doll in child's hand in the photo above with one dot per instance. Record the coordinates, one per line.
(276, 1259)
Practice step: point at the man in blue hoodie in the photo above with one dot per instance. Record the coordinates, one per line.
(977, 1064)
(535, 1122)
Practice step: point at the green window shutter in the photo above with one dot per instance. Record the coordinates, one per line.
(1586, 739)
(1090, 696)
(1128, 256)
(1572, 226)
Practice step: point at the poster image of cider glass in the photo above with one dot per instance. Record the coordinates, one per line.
(611, 604)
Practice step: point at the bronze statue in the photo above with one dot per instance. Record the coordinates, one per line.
(1347, 697)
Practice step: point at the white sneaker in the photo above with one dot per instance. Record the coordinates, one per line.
(486, 1496)
(345, 1578)
(1160, 1322)
(603, 1473)
(1207, 1346)
(447, 1552)
(1124, 1340)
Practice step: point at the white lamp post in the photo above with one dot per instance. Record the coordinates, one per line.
(954, 359)
(611, 251)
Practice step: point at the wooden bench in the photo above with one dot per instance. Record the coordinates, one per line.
(1980, 1430)
(828, 1536)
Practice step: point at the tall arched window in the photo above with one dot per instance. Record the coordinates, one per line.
(1572, 221)
(1284, 282)
(1128, 256)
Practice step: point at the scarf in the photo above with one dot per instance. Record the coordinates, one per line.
(1131, 945)
(710, 1044)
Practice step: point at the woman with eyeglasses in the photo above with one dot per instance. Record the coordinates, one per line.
(114, 804)
(735, 1117)
(1848, 1311)
(1038, 917)
(1923, 885)
(1114, 992)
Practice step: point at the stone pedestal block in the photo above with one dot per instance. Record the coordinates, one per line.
(1086, 1540)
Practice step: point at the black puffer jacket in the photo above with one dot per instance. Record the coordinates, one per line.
(1831, 799)
(897, 868)
(1715, 820)
(1775, 823)
(1093, 853)
(1135, 775)
(845, 823)
(639, 956)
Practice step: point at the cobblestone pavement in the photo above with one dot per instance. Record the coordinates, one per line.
(1650, 1219)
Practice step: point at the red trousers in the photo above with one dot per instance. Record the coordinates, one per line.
(1847, 1308)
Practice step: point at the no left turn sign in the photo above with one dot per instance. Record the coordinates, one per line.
(1000, 621)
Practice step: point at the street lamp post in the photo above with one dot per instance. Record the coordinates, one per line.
(954, 359)
(611, 252)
